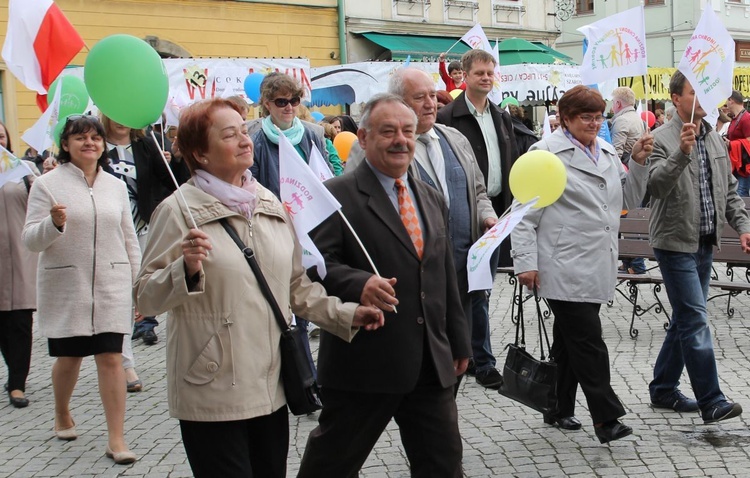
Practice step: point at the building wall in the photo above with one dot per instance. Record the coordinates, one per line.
(204, 28)
(668, 26)
(528, 19)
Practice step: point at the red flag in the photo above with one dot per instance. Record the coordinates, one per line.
(40, 42)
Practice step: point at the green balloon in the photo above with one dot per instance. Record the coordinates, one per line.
(127, 80)
(73, 99)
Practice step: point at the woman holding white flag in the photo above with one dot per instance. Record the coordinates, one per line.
(223, 357)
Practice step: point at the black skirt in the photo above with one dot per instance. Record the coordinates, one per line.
(107, 342)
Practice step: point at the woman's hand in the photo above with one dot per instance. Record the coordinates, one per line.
(195, 249)
(369, 317)
(529, 278)
(643, 148)
(57, 213)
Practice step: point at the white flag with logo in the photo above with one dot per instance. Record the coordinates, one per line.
(708, 61)
(616, 47)
(11, 168)
(319, 165)
(477, 39)
(41, 135)
(478, 262)
(303, 195)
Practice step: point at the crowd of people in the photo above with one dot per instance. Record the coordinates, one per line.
(102, 243)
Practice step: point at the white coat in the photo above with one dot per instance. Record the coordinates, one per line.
(572, 243)
(86, 272)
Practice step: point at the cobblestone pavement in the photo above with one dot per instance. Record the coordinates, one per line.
(501, 438)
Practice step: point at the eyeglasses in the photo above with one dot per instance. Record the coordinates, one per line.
(282, 102)
(599, 119)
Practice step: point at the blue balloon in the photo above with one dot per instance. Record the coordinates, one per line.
(317, 115)
(252, 86)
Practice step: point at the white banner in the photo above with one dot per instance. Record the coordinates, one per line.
(529, 84)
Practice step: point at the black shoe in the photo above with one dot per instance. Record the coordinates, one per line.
(611, 431)
(676, 401)
(22, 402)
(566, 423)
(150, 337)
(723, 410)
(472, 368)
(489, 378)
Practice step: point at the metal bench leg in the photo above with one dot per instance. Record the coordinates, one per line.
(634, 300)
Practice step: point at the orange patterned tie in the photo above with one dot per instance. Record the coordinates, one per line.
(409, 217)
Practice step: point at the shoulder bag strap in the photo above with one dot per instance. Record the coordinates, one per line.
(250, 257)
(520, 330)
(542, 328)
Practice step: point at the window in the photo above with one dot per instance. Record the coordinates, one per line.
(584, 6)
(653, 2)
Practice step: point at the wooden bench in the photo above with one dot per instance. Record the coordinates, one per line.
(634, 243)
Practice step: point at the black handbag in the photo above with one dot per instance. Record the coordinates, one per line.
(530, 381)
(297, 375)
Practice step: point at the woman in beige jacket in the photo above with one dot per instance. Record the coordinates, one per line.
(223, 362)
(79, 221)
(18, 290)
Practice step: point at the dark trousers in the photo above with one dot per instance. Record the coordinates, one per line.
(256, 447)
(582, 358)
(15, 344)
(351, 423)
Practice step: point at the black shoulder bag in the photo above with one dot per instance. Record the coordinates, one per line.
(530, 381)
(300, 388)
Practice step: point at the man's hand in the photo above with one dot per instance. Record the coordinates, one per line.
(369, 317)
(745, 242)
(687, 138)
(460, 366)
(643, 148)
(489, 222)
(379, 292)
(530, 279)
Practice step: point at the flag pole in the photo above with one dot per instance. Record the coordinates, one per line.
(692, 112)
(174, 180)
(646, 87)
(453, 46)
(362, 246)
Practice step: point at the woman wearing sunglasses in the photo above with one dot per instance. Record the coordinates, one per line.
(568, 251)
(280, 96)
(79, 221)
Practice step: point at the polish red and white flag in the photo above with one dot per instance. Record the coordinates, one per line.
(39, 44)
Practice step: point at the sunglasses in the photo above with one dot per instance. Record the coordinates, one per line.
(282, 102)
(71, 118)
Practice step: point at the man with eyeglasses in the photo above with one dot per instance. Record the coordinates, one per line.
(489, 130)
(693, 195)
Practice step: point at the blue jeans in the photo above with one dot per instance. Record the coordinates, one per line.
(480, 323)
(743, 186)
(148, 323)
(688, 341)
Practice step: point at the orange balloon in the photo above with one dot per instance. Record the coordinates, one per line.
(343, 143)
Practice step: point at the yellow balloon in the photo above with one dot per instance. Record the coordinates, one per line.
(538, 173)
(454, 93)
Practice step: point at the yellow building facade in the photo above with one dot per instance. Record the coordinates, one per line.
(187, 28)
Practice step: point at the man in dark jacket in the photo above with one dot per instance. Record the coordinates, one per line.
(490, 133)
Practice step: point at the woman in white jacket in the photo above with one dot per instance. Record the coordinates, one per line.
(79, 221)
(568, 251)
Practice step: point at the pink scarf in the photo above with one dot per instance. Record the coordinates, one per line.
(238, 199)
